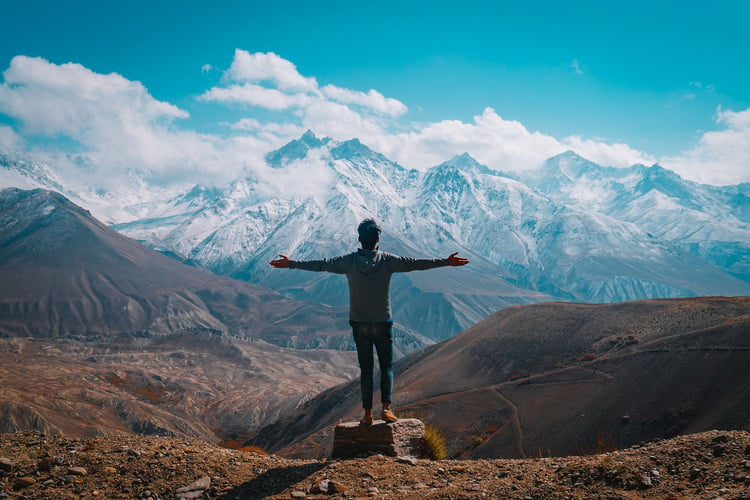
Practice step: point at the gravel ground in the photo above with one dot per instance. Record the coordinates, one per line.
(708, 465)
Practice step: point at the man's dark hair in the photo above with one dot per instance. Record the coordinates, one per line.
(369, 233)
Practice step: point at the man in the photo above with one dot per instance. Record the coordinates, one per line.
(368, 271)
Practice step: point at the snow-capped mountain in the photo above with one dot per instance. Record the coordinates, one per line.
(236, 231)
(573, 230)
(84, 183)
(710, 222)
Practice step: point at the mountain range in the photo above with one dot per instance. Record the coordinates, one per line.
(707, 221)
(102, 335)
(572, 230)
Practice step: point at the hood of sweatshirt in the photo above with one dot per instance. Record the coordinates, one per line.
(368, 261)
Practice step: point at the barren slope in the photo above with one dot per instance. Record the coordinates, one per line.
(66, 274)
(195, 385)
(560, 378)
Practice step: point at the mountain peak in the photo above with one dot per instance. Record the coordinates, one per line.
(37, 204)
(294, 150)
(353, 148)
(666, 181)
(561, 170)
(464, 160)
(567, 159)
(466, 163)
(45, 225)
(311, 139)
(569, 155)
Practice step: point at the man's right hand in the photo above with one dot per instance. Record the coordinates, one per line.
(281, 263)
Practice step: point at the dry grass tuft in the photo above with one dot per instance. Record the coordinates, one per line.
(434, 440)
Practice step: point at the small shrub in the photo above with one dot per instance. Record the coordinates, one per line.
(237, 443)
(434, 441)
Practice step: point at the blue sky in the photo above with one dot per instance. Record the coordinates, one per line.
(509, 82)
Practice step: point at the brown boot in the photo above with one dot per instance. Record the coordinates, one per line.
(389, 416)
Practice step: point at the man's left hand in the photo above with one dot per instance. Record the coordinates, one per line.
(454, 260)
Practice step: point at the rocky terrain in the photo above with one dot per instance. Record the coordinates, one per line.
(709, 465)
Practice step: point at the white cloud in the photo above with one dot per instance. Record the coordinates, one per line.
(611, 155)
(269, 82)
(9, 139)
(73, 100)
(260, 67)
(303, 178)
(282, 129)
(721, 157)
(115, 122)
(576, 66)
(498, 143)
(255, 95)
(340, 122)
(736, 120)
(372, 99)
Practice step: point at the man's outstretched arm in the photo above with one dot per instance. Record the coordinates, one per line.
(406, 264)
(335, 265)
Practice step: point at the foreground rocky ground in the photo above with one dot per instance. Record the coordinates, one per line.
(709, 465)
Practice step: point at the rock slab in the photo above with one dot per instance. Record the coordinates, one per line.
(402, 438)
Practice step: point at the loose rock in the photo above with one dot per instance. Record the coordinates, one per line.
(77, 471)
(194, 489)
(23, 482)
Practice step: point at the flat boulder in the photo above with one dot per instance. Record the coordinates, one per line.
(402, 438)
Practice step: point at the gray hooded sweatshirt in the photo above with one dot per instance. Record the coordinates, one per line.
(369, 275)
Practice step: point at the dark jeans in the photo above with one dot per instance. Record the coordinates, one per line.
(367, 335)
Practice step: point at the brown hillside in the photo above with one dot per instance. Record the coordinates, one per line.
(65, 274)
(192, 385)
(559, 379)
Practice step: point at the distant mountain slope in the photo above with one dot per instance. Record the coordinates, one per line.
(66, 274)
(556, 378)
(711, 222)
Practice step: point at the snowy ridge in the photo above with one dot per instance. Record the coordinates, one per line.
(710, 222)
(573, 230)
